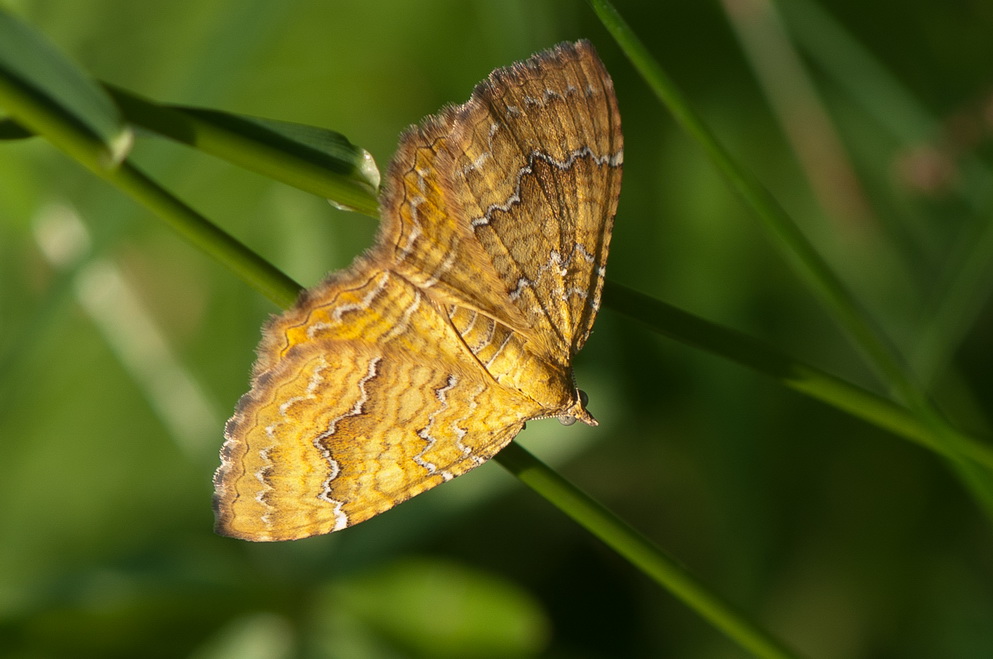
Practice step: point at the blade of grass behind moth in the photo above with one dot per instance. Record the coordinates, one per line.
(965, 280)
(788, 238)
(29, 60)
(312, 159)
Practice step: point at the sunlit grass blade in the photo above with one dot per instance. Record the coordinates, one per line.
(312, 159)
(43, 90)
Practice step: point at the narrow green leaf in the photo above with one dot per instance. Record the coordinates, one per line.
(32, 68)
(313, 159)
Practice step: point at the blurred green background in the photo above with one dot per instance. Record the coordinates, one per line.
(123, 349)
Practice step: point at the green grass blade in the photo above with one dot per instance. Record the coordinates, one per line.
(312, 159)
(40, 115)
(34, 73)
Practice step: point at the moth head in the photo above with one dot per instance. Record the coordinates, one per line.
(577, 411)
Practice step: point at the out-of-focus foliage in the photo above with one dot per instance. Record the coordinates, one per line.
(123, 350)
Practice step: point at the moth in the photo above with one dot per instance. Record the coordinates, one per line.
(428, 354)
